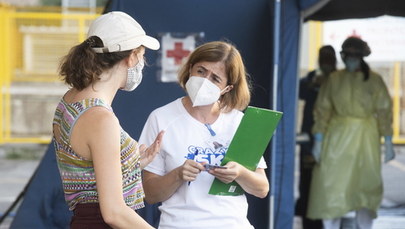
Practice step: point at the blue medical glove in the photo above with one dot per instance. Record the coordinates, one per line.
(389, 153)
(316, 149)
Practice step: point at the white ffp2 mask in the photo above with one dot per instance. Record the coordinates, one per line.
(134, 76)
(202, 91)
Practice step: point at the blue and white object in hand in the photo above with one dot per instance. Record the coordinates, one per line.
(389, 149)
(316, 150)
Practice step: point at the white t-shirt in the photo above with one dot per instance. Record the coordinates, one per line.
(186, 138)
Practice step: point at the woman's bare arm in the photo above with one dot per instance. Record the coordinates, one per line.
(101, 132)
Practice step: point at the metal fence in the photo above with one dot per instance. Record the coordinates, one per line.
(31, 46)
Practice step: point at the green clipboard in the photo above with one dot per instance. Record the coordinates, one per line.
(248, 145)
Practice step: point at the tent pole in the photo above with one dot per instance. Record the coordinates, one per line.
(276, 43)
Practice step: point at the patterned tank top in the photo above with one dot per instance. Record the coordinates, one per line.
(77, 173)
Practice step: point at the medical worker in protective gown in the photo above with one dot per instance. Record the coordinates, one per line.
(352, 112)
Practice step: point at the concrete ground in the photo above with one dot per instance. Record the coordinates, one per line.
(17, 165)
(14, 176)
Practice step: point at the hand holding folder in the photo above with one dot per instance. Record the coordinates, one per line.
(248, 145)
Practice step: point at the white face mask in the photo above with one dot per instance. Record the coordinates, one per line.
(134, 76)
(202, 91)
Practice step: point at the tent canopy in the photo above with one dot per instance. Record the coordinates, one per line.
(254, 36)
(347, 9)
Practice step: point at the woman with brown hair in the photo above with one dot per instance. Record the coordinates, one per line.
(198, 130)
(100, 164)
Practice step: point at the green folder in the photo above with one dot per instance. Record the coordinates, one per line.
(248, 145)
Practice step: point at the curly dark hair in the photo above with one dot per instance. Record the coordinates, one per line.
(82, 66)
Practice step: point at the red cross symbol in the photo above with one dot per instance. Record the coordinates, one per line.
(178, 53)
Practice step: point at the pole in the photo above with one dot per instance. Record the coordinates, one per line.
(276, 43)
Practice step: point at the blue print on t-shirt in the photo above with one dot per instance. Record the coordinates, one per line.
(209, 155)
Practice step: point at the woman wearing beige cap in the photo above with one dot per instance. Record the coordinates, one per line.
(99, 163)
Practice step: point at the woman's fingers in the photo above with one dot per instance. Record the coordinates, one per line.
(191, 169)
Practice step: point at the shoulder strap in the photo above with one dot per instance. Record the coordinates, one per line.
(67, 114)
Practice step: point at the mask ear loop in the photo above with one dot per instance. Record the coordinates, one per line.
(138, 59)
(227, 89)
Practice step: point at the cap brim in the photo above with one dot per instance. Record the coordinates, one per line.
(150, 43)
(135, 42)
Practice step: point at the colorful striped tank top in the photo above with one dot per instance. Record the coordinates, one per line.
(77, 173)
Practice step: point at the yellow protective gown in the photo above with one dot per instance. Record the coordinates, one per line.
(352, 114)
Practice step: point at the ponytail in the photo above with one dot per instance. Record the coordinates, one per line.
(365, 69)
(82, 66)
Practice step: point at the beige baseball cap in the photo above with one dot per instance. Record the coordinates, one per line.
(120, 32)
